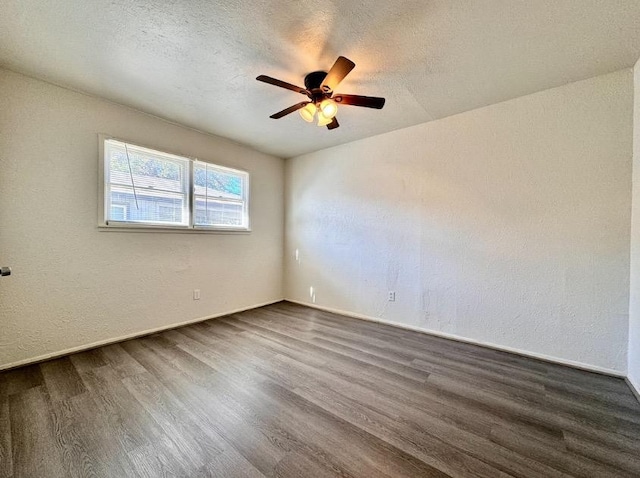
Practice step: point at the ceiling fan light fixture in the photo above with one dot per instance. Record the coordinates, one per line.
(322, 119)
(329, 108)
(308, 112)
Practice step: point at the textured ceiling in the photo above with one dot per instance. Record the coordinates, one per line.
(195, 62)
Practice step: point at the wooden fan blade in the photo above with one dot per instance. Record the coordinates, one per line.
(282, 84)
(334, 124)
(290, 109)
(338, 71)
(357, 100)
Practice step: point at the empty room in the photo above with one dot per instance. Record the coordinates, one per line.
(350, 239)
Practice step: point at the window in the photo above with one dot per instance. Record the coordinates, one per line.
(148, 188)
(219, 196)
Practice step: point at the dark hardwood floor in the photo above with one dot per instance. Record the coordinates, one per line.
(290, 391)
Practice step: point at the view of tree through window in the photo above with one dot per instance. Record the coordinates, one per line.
(144, 166)
(216, 181)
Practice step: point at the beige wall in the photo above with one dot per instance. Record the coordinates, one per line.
(634, 302)
(74, 285)
(507, 225)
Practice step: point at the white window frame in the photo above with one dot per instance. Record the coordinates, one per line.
(189, 209)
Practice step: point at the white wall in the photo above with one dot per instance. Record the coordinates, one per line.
(634, 302)
(73, 284)
(507, 225)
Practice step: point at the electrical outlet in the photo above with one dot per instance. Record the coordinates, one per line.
(196, 294)
(392, 296)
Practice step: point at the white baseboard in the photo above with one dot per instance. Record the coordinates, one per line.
(458, 338)
(122, 338)
(635, 388)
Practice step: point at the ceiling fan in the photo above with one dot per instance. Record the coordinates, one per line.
(323, 102)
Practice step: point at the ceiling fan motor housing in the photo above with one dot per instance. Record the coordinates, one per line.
(313, 82)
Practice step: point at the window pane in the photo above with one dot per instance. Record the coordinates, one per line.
(213, 212)
(152, 206)
(145, 185)
(215, 182)
(220, 196)
(118, 212)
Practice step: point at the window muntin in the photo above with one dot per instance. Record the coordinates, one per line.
(148, 188)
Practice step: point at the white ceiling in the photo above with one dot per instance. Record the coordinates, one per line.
(195, 61)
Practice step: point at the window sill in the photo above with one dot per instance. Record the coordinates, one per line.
(178, 230)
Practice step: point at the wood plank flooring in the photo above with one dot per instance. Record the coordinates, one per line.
(288, 391)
